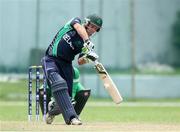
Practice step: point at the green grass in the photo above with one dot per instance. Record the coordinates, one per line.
(139, 114)
(18, 92)
(13, 91)
(133, 114)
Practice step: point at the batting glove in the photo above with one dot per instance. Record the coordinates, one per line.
(91, 56)
(88, 46)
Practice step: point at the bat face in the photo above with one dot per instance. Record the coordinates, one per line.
(108, 83)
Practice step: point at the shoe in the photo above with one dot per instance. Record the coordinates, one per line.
(79, 118)
(75, 121)
(51, 105)
(49, 118)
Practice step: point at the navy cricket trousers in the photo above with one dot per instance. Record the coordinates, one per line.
(64, 68)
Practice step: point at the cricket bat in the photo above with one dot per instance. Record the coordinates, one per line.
(108, 83)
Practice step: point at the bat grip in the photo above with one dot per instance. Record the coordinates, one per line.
(96, 62)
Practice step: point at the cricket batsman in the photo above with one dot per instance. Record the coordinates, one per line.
(80, 96)
(72, 39)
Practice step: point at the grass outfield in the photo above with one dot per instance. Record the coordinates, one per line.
(99, 116)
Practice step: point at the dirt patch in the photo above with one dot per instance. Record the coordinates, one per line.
(96, 126)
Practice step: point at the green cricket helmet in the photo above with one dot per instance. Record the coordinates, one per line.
(76, 73)
(94, 19)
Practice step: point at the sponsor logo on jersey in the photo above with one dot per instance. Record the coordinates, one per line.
(67, 38)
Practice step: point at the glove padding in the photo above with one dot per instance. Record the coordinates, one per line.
(88, 46)
(91, 56)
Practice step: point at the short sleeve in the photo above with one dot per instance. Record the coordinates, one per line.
(75, 20)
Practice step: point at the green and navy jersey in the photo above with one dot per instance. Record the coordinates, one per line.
(67, 42)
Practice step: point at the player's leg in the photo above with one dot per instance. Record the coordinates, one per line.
(68, 75)
(79, 93)
(81, 97)
(60, 91)
(51, 116)
(51, 108)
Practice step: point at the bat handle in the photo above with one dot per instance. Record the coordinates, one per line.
(96, 62)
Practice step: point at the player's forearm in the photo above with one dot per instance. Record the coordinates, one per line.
(81, 31)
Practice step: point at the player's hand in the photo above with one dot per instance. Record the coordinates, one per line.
(87, 58)
(88, 46)
(92, 56)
